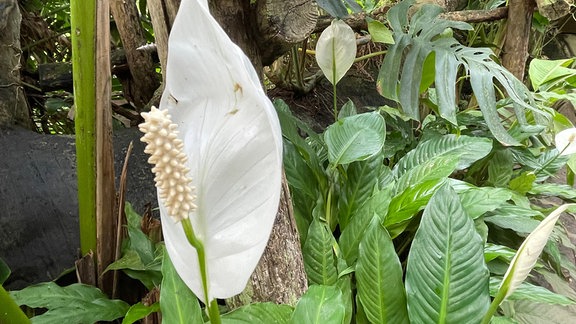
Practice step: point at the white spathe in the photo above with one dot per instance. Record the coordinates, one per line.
(566, 141)
(336, 50)
(233, 141)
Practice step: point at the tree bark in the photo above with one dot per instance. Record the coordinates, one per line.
(140, 84)
(162, 13)
(13, 105)
(515, 51)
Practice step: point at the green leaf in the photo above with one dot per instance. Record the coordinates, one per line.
(525, 258)
(319, 305)
(554, 189)
(516, 218)
(334, 7)
(531, 292)
(149, 274)
(4, 271)
(500, 168)
(336, 50)
(477, 201)
(467, 149)
(139, 311)
(347, 110)
(361, 181)
(446, 277)
(493, 251)
(528, 312)
(355, 138)
(177, 302)
(259, 313)
(523, 183)
(319, 259)
(379, 32)
(376, 206)
(541, 72)
(406, 204)
(138, 241)
(483, 87)
(77, 303)
(436, 168)
(379, 277)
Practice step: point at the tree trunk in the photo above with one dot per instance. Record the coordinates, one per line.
(515, 51)
(140, 84)
(13, 105)
(279, 276)
(162, 13)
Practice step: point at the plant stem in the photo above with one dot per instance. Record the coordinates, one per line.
(335, 102)
(367, 56)
(211, 306)
(83, 22)
(10, 312)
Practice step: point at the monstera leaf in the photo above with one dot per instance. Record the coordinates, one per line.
(426, 36)
(232, 140)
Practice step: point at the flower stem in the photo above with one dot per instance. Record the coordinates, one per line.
(211, 306)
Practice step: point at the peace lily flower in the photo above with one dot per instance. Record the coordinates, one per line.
(216, 129)
(566, 141)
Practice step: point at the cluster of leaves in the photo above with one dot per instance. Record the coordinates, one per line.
(401, 225)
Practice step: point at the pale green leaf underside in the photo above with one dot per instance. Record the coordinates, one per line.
(446, 277)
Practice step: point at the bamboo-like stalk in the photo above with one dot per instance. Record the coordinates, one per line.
(83, 26)
(94, 152)
(10, 312)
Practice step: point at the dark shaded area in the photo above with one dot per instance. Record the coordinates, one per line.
(38, 200)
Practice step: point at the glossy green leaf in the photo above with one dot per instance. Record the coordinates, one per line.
(406, 204)
(500, 168)
(439, 167)
(336, 50)
(77, 303)
(349, 241)
(541, 72)
(523, 183)
(531, 292)
(319, 259)
(259, 313)
(361, 182)
(477, 201)
(379, 277)
(233, 144)
(379, 32)
(355, 138)
(446, 277)
(139, 311)
(177, 302)
(320, 305)
(468, 149)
